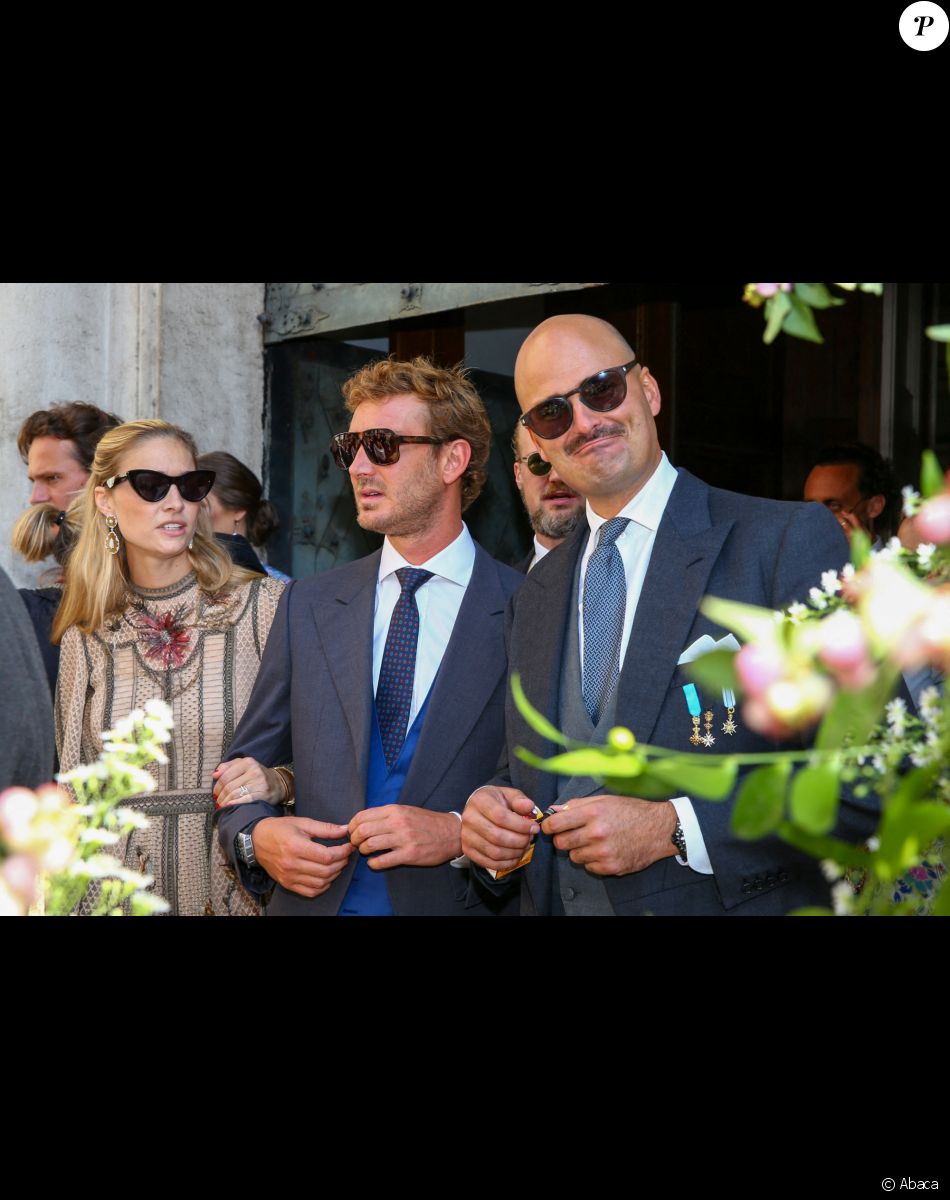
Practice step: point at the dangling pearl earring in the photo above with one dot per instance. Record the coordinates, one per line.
(112, 538)
(191, 543)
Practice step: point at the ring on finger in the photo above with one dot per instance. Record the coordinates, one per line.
(244, 790)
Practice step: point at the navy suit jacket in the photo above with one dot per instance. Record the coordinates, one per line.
(312, 705)
(709, 542)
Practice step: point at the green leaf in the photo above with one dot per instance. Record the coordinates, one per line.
(760, 802)
(939, 333)
(749, 622)
(941, 906)
(776, 308)
(823, 847)
(811, 910)
(860, 548)
(906, 833)
(684, 775)
(714, 671)
(854, 714)
(592, 760)
(538, 723)
(800, 321)
(813, 803)
(931, 475)
(817, 295)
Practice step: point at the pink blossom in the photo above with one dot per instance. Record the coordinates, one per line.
(932, 523)
(21, 874)
(844, 650)
(757, 665)
(769, 289)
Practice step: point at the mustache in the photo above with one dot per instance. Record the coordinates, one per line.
(594, 435)
(362, 484)
(557, 489)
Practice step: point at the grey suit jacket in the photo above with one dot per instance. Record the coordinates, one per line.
(312, 705)
(710, 542)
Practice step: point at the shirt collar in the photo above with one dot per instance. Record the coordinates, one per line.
(454, 563)
(648, 505)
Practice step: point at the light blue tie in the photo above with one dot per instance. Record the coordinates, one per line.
(605, 601)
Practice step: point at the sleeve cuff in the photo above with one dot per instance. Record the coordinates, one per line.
(695, 845)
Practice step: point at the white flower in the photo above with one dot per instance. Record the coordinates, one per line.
(911, 500)
(796, 611)
(841, 896)
(131, 818)
(829, 582)
(896, 715)
(874, 844)
(817, 598)
(878, 764)
(925, 553)
(830, 869)
(889, 552)
(847, 571)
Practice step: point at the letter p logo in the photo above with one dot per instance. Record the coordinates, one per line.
(924, 25)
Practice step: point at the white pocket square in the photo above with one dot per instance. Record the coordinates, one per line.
(705, 645)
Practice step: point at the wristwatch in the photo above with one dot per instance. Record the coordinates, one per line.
(244, 849)
(679, 841)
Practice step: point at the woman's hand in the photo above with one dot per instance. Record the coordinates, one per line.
(244, 779)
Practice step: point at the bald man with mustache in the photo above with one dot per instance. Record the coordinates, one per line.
(598, 634)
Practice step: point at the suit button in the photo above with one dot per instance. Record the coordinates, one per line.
(746, 888)
(783, 877)
(757, 884)
(568, 894)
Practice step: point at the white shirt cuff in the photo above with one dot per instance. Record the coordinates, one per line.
(463, 860)
(695, 846)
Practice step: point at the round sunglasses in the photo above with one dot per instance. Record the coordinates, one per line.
(381, 446)
(535, 463)
(153, 486)
(602, 393)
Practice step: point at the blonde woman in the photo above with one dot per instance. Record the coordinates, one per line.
(154, 607)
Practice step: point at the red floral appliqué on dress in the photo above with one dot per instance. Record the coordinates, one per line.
(165, 637)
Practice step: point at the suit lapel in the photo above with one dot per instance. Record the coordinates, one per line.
(472, 665)
(546, 603)
(685, 550)
(344, 623)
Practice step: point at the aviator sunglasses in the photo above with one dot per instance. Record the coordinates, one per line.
(602, 393)
(381, 446)
(535, 463)
(153, 486)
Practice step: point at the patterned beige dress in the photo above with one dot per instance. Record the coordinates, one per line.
(201, 655)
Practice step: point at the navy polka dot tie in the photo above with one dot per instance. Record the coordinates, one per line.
(605, 602)
(398, 670)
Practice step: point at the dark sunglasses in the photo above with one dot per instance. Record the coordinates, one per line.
(381, 446)
(153, 485)
(535, 463)
(602, 392)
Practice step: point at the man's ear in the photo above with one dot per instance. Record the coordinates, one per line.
(876, 505)
(456, 460)
(651, 390)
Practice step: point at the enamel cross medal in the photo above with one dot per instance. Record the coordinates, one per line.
(695, 712)
(729, 700)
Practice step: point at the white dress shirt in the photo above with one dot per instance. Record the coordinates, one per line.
(539, 553)
(438, 601)
(635, 545)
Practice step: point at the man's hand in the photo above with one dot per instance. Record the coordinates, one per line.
(613, 835)
(497, 827)
(283, 848)
(411, 836)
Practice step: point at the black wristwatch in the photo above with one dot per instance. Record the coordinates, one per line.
(244, 849)
(679, 841)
